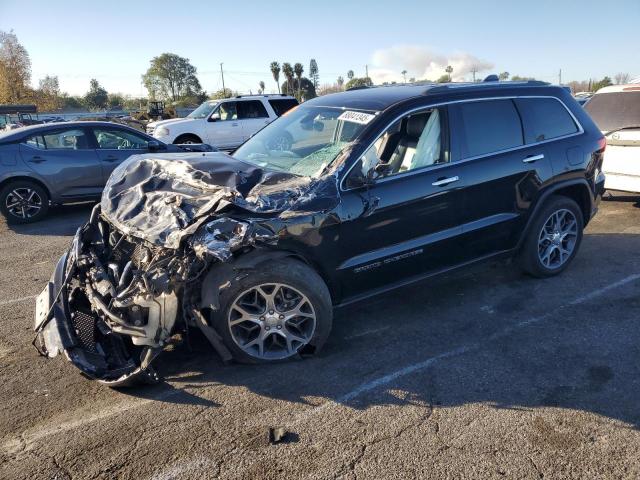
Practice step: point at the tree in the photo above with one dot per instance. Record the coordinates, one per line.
(340, 82)
(71, 103)
(115, 100)
(359, 82)
(504, 76)
(622, 78)
(444, 78)
(313, 72)
(97, 97)
(350, 75)
(304, 88)
(275, 71)
(518, 78)
(171, 77)
(15, 69)
(287, 71)
(449, 70)
(605, 82)
(404, 74)
(261, 84)
(412, 80)
(48, 94)
(226, 93)
(298, 69)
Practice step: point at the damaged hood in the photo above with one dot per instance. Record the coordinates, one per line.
(164, 198)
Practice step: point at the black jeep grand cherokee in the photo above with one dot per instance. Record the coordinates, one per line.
(344, 197)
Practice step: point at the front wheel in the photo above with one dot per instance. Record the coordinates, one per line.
(554, 238)
(275, 312)
(187, 139)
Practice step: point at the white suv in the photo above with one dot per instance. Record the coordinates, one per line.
(224, 124)
(616, 111)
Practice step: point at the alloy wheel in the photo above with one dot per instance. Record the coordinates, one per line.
(23, 202)
(271, 321)
(557, 239)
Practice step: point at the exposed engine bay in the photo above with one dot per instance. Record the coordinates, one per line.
(131, 282)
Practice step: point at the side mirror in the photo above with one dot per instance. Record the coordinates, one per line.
(357, 179)
(215, 117)
(155, 146)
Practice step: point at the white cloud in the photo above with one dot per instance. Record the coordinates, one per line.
(421, 62)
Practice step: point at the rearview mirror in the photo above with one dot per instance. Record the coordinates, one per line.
(154, 146)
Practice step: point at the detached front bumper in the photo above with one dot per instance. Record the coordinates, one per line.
(59, 330)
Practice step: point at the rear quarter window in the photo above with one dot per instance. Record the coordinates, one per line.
(283, 105)
(544, 119)
(489, 126)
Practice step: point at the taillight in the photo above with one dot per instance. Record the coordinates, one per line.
(602, 144)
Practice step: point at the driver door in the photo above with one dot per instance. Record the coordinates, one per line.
(114, 145)
(224, 129)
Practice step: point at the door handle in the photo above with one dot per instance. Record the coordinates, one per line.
(533, 158)
(234, 124)
(37, 159)
(445, 181)
(111, 158)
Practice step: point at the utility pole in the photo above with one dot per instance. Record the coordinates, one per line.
(366, 69)
(224, 90)
(473, 71)
(560, 77)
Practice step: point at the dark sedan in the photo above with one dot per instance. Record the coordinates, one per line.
(66, 162)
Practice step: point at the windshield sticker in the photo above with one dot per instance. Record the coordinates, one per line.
(356, 117)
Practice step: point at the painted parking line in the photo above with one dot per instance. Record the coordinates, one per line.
(17, 300)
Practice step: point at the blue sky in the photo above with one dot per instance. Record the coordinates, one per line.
(114, 40)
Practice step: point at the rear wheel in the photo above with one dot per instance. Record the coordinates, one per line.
(275, 312)
(23, 201)
(554, 238)
(187, 139)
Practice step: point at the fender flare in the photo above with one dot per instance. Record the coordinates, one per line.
(543, 198)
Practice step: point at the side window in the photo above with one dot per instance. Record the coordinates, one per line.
(544, 118)
(73, 139)
(228, 111)
(489, 126)
(251, 109)
(116, 139)
(415, 141)
(35, 141)
(282, 106)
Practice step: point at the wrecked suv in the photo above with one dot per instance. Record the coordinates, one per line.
(373, 189)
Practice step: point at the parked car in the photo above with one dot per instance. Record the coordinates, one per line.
(226, 123)
(379, 188)
(616, 111)
(65, 162)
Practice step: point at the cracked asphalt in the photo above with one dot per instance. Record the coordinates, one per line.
(483, 373)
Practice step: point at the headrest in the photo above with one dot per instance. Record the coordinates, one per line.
(416, 124)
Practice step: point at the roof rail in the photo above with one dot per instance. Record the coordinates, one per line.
(437, 88)
(262, 95)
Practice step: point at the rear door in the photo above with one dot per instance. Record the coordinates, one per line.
(114, 145)
(503, 173)
(64, 157)
(253, 117)
(224, 130)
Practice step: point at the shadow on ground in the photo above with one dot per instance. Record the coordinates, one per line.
(61, 220)
(582, 357)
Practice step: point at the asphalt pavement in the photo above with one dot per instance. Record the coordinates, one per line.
(483, 373)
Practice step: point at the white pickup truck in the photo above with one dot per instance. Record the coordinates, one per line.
(224, 124)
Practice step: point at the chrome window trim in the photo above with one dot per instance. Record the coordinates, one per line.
(468, 159)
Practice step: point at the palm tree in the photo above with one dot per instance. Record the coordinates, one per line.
(298, 70)
(503, 76)
(404, 74)
(449, 69)
(287, 71)
(340, 82)
(350, 74)
(261, 86)
(275, 71)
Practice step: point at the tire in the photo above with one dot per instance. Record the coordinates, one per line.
(549, 252)
(305, 290)
(33, 202)
(187, 139)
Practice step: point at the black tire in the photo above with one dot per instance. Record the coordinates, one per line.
(187, 139)
(282, 271)
(530, 255)
(7, 196)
